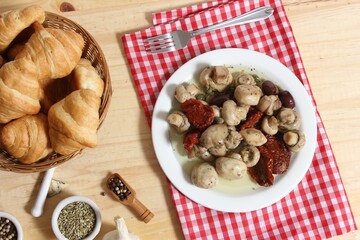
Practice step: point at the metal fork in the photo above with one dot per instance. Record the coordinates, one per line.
(178, 39)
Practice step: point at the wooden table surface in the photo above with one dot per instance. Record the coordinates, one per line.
(328, 36)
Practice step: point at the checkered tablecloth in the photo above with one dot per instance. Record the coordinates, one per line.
(318, 208)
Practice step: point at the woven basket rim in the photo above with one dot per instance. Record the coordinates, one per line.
(9, 163)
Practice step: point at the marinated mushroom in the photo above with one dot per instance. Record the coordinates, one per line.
(250, 155)
(233, 139)
(204, 176)
(213, 139)
(216, 78)
(218, 151)
(201, 152)
(241, 78)
(232, 113)
(247, 95)
(179, 121)
(253, 137)
(288, 119)
(196, 151)
(268, 104)
(230, 168)
(295, 140)
(217, 114)
(185, 92)
(270, 125)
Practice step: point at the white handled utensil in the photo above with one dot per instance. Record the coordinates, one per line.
(37, 210)
(178, 39)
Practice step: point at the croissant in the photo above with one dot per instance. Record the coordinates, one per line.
(27, 138)
(19, 90)
(2, 61)
(73, 121)
(13, 22)
(85, 76)
(14, 50)
(55, 52)
(54, 91)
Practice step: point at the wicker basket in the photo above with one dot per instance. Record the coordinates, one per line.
(93, 53)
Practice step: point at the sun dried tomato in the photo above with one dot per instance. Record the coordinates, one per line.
(262, 171)
(280, 153)
(191, 139)
(274, 159)
(252, 119)
(199, 115)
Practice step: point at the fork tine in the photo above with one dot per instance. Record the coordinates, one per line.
(160, 46)
(158, 37)
(157, 42)
(163, 50)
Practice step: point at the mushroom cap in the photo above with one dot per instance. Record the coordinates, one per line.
(204, 176)
(270, 125)
(185, 92)
(247, 94)
(233, 139)
(216, 78)
(268, 104)
(288, 119)
(295, 140)
(214, 136)
(179, 121)
(230, 168)
(241, 78)
(218, 151)
(232, 113)
(250, 155)
(253, 137)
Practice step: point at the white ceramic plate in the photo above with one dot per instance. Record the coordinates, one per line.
(239, 195)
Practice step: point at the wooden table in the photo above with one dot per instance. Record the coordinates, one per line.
(328, 36)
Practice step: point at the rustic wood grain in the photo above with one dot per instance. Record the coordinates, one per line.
(328, 36)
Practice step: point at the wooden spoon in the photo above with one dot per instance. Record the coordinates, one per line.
(124, 193)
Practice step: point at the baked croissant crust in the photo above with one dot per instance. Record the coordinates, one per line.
(55, 52)
(19, 90)
(13, 22)
(73, 121)
(2, 61)
(85, 76)
(27, 138)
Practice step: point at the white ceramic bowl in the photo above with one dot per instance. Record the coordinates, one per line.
(233, 196)
(15, 222)
(67, 201)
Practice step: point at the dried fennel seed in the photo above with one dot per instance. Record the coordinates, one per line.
(76, 220)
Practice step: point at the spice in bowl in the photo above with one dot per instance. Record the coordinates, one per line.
(7, 229)
(76, 218)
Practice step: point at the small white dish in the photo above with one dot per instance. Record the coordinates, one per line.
(15, 222)
(67, 201)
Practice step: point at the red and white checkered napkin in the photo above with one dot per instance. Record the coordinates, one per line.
(318, 207)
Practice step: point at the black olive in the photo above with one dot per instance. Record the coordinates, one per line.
(287, 99)
(269, 88)
(219, 99)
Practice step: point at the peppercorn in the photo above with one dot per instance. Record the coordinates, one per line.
(7, 229)
(119, 188)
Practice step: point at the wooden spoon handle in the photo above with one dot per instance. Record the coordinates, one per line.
(144, 213)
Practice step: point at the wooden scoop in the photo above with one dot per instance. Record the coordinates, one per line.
(124, 193)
